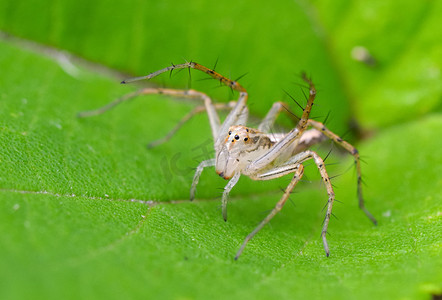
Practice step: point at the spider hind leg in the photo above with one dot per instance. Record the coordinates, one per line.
(353, 151)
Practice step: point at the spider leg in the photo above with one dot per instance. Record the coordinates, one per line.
(185, 119)
(290, 166)
(299, 171)
(353, 151)
(222, 79)
(273, 114)
(241, 119)
(309, 138)
(308, 154)
(226, 192)
(211, 111)
(103, 109)
(196, 177)
(288, 139)
(236, 116)
(233, 116)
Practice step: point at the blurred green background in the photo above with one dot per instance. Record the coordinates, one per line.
(88, 212)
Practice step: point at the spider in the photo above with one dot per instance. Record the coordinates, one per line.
(242, 150)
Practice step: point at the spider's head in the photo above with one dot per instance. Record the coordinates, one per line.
(241, 146)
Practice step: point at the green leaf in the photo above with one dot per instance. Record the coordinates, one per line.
(86, 211)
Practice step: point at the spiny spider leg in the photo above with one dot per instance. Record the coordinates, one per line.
(294, 165)
(285, 142)
(308, 138)
(232, 117)
(353, 151)
(228, 82)
(211, 111)
(299, 171)
(186, 118)
(308, 154)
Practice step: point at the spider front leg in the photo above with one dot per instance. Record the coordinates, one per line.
(237, 112)
(196, 177)
(353, 151)
(226, 192)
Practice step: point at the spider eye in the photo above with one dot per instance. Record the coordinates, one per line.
(230, 132)
(246, 139)
(236, 137)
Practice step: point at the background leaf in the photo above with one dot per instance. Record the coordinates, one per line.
(87, 211)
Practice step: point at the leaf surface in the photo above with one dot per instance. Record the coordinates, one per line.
(88, 212)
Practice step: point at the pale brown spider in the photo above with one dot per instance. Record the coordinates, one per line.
(254, 152)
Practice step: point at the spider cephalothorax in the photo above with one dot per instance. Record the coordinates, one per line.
(241, 150)
(241, 145)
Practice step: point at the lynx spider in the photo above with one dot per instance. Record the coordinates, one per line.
(253, 152)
